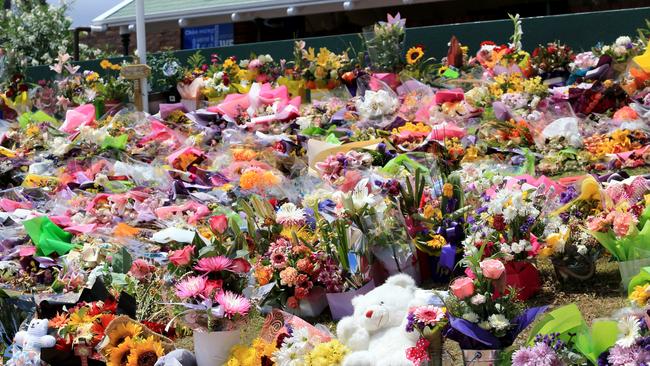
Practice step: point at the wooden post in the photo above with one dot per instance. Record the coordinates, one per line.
(136, 73)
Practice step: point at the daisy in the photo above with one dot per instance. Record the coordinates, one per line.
(430, 314)
(191, 287)
(629, 331)
(290, 215)
(233, 304)
(213, 264)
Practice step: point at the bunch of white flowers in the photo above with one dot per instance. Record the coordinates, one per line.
(377, 104)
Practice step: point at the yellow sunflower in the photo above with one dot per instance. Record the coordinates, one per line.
(145, 353)
(119, 355)
(413, 55)
(125, 330)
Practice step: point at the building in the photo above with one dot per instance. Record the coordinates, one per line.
(187, 24)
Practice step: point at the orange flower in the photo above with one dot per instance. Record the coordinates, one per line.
(99, 327)
(241, 154)
(263, 275)
(59, 321)
(257, 179)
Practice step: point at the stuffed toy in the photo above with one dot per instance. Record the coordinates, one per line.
(30, 342)
(178, 357)
(376, 332)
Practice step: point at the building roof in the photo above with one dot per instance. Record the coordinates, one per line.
(164, 10)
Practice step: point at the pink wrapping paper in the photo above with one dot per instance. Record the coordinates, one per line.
(80, 116)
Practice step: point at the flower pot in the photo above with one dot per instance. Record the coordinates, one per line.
(483, 357)
(213, 348)
(341, 303)
(524, 277)
(630, 269)
(311, 306)
(581, 270)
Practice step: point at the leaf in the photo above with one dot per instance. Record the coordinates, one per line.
(198, 242)
(122, 261)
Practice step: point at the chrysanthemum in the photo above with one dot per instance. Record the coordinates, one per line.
(118, 356)
(123, 331)
(213, 264)
(430, 314)
(233, 304)
(290, 215)
(522, 357)
(145, 353)
(191, 287)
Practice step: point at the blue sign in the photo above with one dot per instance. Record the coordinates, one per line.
(208, 36)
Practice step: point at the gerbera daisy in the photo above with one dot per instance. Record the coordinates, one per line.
(213, 264)
(191, 287)
(99, 327)
(290, 215)
(629, 331)
(233, 304)
(122, 331)
(413, 55)
(429, 315)
(118, 356)
(59, 321)
(145, 353)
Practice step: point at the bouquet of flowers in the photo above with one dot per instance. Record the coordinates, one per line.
(477, 318)
(633, 344)
(320, 70)
(385, 44)
(554, 57)
(621, 50)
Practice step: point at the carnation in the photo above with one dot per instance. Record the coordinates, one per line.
(498, 322)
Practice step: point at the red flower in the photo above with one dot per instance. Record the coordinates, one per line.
(499, 223)
(218, 224)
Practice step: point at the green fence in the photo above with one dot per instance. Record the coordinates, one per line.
(581, 31)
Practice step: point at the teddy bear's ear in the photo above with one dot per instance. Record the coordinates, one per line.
(401, 280)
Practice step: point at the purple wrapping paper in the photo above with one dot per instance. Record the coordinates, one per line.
(471, 336)
(167, 109)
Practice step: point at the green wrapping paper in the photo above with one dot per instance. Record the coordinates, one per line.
(635, 245)
(47, 236)
(639, 280)
(117, 143)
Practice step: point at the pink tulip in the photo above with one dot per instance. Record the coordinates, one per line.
(492, 268)
(462, 287)
(218, 224)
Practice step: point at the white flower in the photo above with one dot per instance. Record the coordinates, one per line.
(478, 299)
(287, 356)
(244, 63)
(629, 331)
(361, 195)
(623, 41)
(376, 104)
(498, 322)
(582, 249)
(471, 317)
(303, 122)
(619, 50)
(484, 325)
(290, 215)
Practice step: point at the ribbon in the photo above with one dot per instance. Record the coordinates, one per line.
(453, 235)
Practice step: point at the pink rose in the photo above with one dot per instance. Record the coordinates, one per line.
(622, 222)
(240, 265)
(492, 268)
(462, 287)
(140, 269)
(218, 224)
(181, 257)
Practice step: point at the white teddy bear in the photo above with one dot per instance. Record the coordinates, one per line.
(31, 341)
(376, 332)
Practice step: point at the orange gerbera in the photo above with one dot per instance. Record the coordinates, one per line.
(99, 327)
(59, 321)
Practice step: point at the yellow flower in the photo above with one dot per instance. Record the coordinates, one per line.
(116, 67)
(119, 355)
(125, 330)
(412, 127)
(413, 55)
(448, 190)
(105, 64)
(264, 348)
(145, 352)
(327, 354)
(437, 241)
(243, 154)
(640, 295)
(80, 317)
(93, 76)
(241, 355)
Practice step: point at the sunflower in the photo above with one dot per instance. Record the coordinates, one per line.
(413, 55)
(123, 331)
(119, 355)
(145, 353)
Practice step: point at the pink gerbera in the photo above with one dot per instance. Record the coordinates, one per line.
(429, 315)
(213, 264)
(191, 287)
(233, 304)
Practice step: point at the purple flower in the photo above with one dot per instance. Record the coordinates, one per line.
(621, 356)
(523, 357)
(410, 326)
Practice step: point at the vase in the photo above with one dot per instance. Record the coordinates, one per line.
(630, 269)
(524, 277)
(580, 270)
(341, 303)
(311, 306)
(213, 348)
(480, 357)
(435, 348)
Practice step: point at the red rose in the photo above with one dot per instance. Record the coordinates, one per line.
(218, 224)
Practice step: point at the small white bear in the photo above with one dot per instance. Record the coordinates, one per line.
(376, 332)
(31, 341)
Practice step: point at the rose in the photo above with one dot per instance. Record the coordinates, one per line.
(292, 302)
(240, 265)
(218, 224)
(140, 269)
(492, 268)
(462, 287)
(181, 257)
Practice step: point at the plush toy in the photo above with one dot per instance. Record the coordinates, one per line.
(376, 332)
(178, 357)
(30, 342)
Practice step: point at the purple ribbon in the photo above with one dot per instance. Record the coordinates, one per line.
(453, 235)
